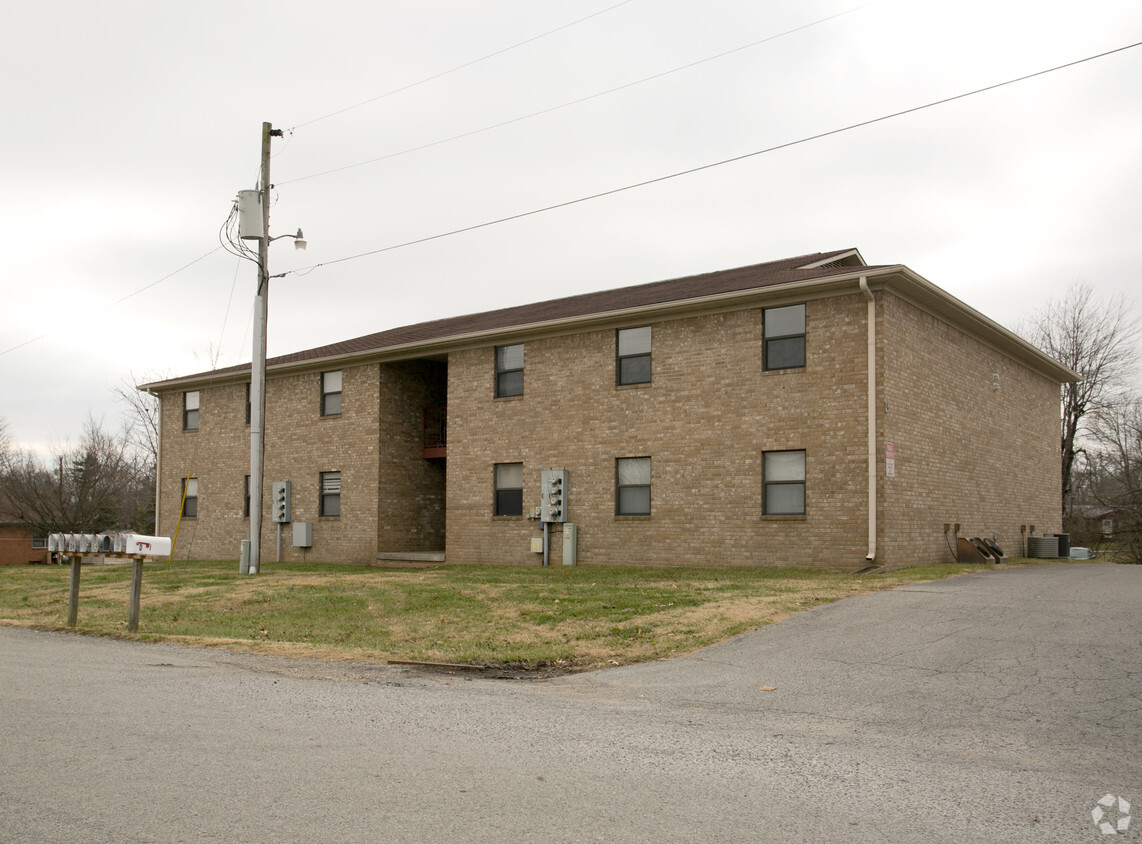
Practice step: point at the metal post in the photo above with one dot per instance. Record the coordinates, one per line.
(258, 367)
(73, 593)
(136, 592)
(547, 543)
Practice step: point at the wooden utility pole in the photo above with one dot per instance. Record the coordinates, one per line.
(258, 367)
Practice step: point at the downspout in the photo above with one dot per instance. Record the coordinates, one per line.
(158, 458)
(871, 356)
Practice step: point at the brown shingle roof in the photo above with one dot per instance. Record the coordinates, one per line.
(769, 274)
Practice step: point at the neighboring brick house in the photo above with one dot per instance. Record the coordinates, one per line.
(718, 419)
(20, 546)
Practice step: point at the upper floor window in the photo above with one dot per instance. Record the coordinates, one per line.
(331, 393)
(509, 371)
(632, 486)
(331, 493)
(785, 337)
(248, 403)
(509, 489)
(633, 346)
(189, 498)
(190, 411)
(784, 482)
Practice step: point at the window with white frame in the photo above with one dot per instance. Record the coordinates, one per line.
(784, 483)
(330, 493)
(190, 410)
(785, 337)
(632, 486)
(633, 349)
(331, 393)
(509, 371)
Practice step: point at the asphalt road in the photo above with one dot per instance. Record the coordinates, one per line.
(992, 707)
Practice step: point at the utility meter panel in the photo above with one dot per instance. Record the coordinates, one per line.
(553, 495)
(279, 502)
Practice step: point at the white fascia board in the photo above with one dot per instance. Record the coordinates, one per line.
(834, 258)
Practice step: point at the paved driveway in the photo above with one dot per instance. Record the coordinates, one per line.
(992, 707)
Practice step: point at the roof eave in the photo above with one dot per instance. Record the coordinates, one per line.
(911, 284)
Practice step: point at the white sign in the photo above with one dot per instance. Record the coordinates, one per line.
(890, 467)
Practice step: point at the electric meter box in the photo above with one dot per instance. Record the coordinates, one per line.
(553, 495)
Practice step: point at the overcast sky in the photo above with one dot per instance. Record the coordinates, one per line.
(129, 127)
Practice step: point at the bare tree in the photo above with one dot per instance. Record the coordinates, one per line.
(1118, 433)
(1098, 339)
(97, 485)
(140, 414)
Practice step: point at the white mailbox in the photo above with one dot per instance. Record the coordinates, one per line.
(148, 546)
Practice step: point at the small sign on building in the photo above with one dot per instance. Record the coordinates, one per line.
(890, 460)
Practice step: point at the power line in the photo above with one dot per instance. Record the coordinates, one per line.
(118, 301)
(578, 101)
(710, 166)
(461, 66)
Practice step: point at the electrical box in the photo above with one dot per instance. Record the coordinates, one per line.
(250, 214)
(537, 545)
(553, 495)
(570, 544)
(279, 501)
(303, 534)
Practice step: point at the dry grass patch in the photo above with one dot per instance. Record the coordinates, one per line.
(561, 618)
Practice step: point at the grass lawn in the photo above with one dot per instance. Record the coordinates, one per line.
(557, 619)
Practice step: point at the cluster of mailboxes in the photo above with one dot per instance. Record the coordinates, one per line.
(111, 544)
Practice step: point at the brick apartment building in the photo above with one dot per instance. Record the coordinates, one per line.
(720, 419)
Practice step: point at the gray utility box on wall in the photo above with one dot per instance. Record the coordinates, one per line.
(303, 534)
(553, 495)
(570, 543)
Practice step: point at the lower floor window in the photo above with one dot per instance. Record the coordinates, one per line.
(784, 483)
(331, 493)
(509, 489)
(189, 498)
(632, 486)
